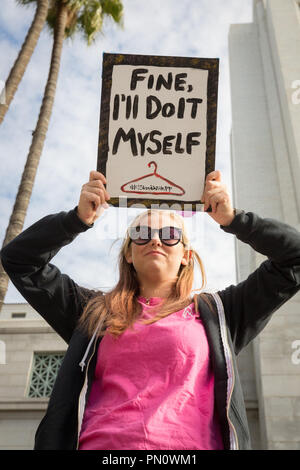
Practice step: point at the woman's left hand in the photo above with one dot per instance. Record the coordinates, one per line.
(216, 195)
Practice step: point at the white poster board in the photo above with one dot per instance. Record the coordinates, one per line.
(154, 128)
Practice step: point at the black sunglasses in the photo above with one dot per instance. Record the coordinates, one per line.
(142, 234)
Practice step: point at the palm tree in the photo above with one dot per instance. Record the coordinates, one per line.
(65, 17)
(26, 51)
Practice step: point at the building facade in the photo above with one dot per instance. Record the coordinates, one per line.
(264, 59)
(30, 355)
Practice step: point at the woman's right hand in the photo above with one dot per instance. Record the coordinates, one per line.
(93, 197)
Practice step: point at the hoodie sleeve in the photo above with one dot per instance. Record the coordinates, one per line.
(26, 260)
(249, 305)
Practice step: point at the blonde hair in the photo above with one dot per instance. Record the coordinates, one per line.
(119, 308)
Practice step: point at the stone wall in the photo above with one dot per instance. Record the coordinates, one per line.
(265, 147)
(19, 414)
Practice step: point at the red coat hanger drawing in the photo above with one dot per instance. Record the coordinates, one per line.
(162, 186)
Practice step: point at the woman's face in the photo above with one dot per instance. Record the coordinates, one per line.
(156, 259)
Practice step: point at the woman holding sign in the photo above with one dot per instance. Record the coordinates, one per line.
(148, 366)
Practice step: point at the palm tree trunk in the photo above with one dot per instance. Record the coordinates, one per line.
(17, 218)
(19, 67)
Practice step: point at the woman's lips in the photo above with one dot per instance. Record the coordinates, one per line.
(155, 253)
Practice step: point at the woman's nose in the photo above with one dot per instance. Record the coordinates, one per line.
(155, 238)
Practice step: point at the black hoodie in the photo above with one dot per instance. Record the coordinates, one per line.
(236, 315)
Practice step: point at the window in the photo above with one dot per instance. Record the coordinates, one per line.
(18, 315)
(44, 370)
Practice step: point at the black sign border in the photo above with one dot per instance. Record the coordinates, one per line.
(212, 65)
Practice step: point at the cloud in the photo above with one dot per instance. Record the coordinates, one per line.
(187, 28)
(14, 20)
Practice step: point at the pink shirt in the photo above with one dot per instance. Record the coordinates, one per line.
(153, 388)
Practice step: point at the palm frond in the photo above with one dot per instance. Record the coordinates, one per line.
(85, 16)
(26, 2)
(93, 14)
(113, 8)
(91, 20)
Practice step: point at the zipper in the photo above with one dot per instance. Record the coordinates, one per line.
(83, 390)
(234, 443)
(234, 438)
(93, 341)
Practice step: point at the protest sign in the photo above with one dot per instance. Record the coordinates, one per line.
(157, 132)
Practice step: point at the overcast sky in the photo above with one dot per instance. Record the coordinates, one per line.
(189, 28)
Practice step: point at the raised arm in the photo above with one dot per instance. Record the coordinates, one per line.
(26, 259)
(249, 305)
